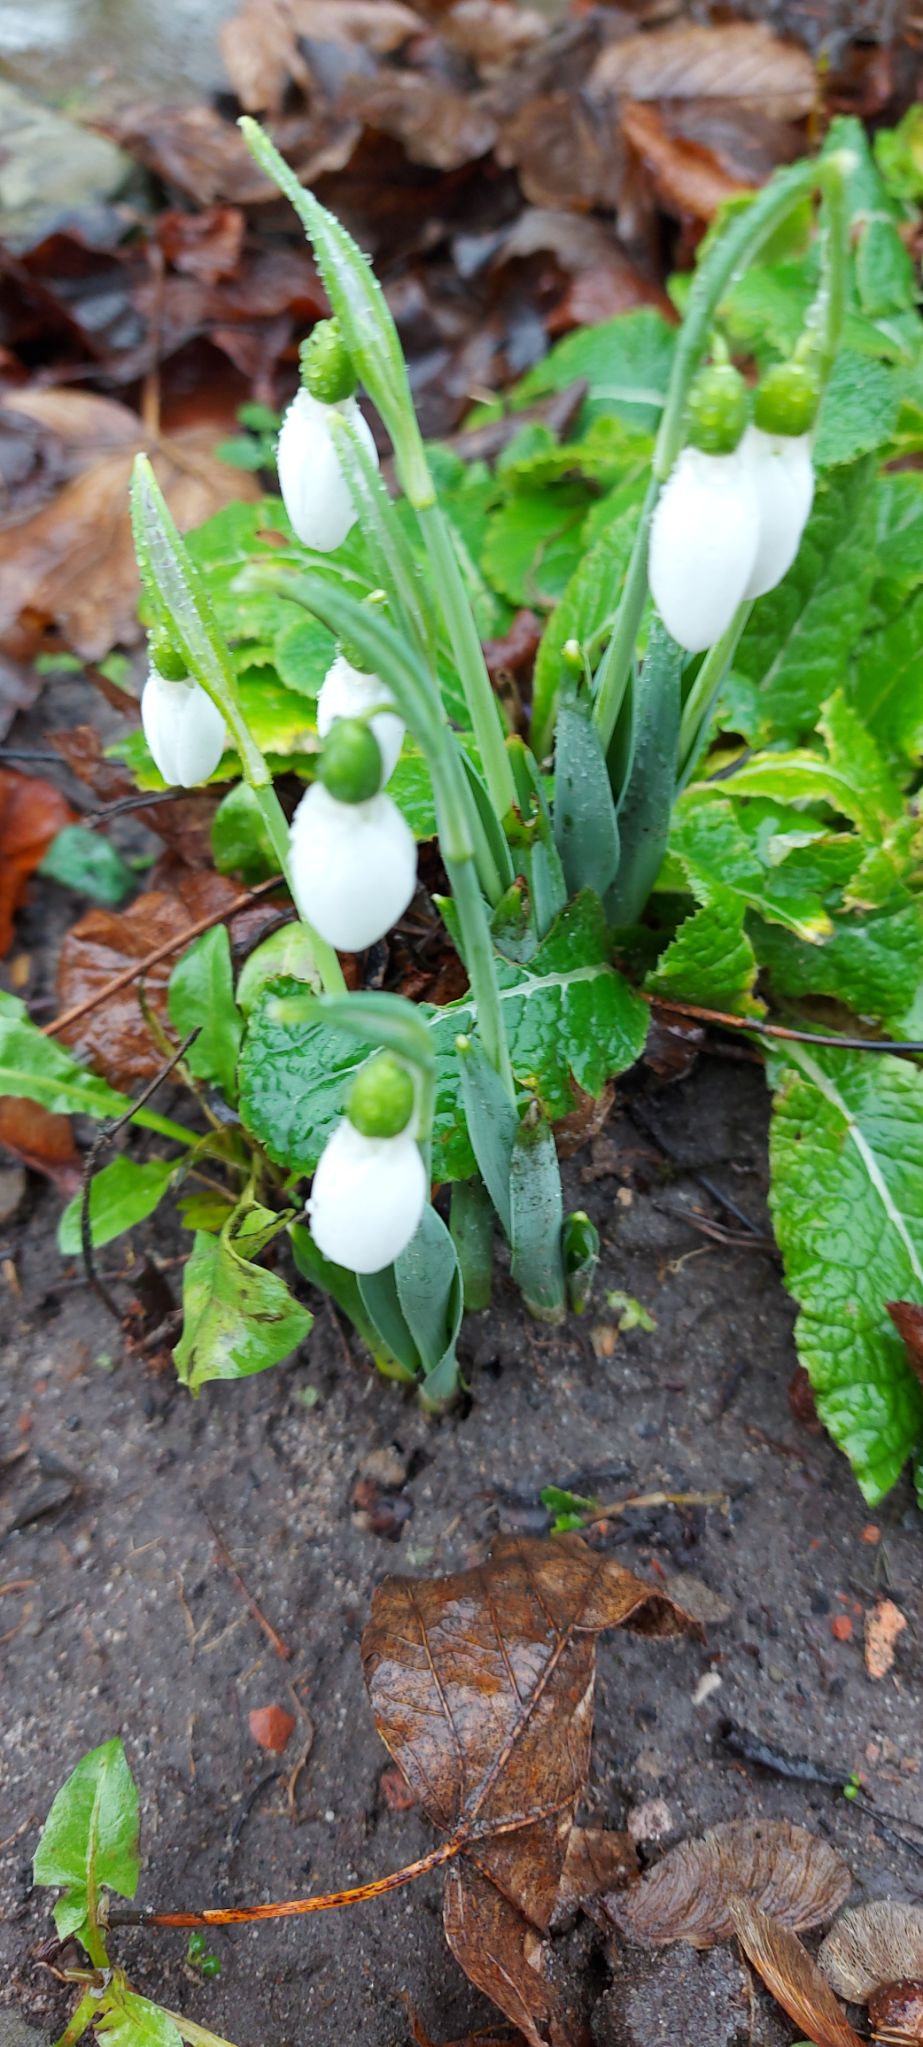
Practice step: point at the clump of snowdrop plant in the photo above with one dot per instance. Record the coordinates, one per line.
(522, 836)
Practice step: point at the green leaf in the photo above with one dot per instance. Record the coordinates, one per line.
(201, 997)
(85, 861)
(853, 778)
(847, 1203)
(626, 362)
(567, 1014)
(237, 1317)
(472, 1224)
(533, 544)
(711, 960)
(795, 649)
(586, 614)
(536, 1221)
(121, 1194)
(429, 1289)
(859, 410)
(90, 1838)
(887, 679)
(129, 2020)
(343, 1288)
(646, 800)
(872, 961)
(286, 955)
(38, 1068)
(585, 829)
(725, 864)
(303, 651)
(240, 841)
(492, 1124)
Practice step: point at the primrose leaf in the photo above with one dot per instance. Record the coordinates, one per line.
(569, 1016)
(724, 863)
(859, 411)
(201, 998)
(796, 648)
(129, 2020)
(90, 1838)
(711, 960)
(847, 1203)
(121, 1194)
(887, 681)
(237, 1317)
(533, 544)
(872, 960)
(625, 361)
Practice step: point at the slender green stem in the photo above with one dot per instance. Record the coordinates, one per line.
(472, 668)
(704, 694)
(480, 961)
(729, 256)
(148, 1119)
(325, 959)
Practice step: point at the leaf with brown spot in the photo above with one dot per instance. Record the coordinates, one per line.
(32, 812)
(907, 1317)
(691, 1892)
(873, 1944)
(792, 1977)
(481, 1684)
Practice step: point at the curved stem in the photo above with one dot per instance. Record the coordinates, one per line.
(704, 694)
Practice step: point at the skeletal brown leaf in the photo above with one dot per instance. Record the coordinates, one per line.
(501, 1954)
(481, 1684)
(689, 61)
(691, 1892)
(907, 1317)
(871, 1945)
(792, 1977)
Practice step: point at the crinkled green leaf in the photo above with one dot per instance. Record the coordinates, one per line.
(567, 1014)
(859, 411)
(121, 1194)
(852, 778)
(238, 1318)
(625, 361)
(887, 678)
(711, 960)
(533, 544)
(899, 536)
(871, 960)
(90, 1839)
(201, 999)
(795, 649)
(847, 1203)
(724, 863)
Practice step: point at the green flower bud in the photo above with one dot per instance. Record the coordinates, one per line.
(210, 1965)
(380, 1102)
(350, 766)
(326, 364)
(166, 658)
(717, 409)
(786, 401)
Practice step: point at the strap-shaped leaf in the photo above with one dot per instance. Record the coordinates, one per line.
(492, 1124)
(536, 1218)
(586, 832)
(647, 797)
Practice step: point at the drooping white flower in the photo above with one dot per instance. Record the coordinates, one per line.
(354, 867)
(704, 537)
(316, 493)
(783, 477)
(346, 692)
(183, 728)
(368, 1196)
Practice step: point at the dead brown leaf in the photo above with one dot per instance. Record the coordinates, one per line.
(907, 1317)
(115, 1038)
(883, 1624)
(260, 43)
(792, 1976)
(206, 245)
(870, 1945)
(567, 150)
(195, 150)
(41, 1140)
(481, 1684)
(690, 1893)
(435, 124)
(687, 176)
(71, 565)
(598, 1859)
(32, 812)
(729, 61)
(493, 33)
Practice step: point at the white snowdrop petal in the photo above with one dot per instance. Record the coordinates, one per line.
(783, 477)
(704, 537)
(354, 867)
(367, 1199)
(315, 491)
(347, 692)
(184, 730)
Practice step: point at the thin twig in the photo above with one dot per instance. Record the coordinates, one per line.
(912, 1047)
(225, 1558)
(100, 1144)
(158, 953)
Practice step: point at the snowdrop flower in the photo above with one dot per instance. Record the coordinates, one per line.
(316, 494)
(705, 534)
(370, 1187)
(346, 692)
(777, 449)
(354, 867)
(184, 730)
(783, 477)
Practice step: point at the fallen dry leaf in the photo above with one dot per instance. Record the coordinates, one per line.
(907, 1317)
(689, 61)
(792, 1976)
(271, 1727)
(598, 1859)
(690, 1893)
(261, 42)
(481, 1684)
(873, 1944)
(883, 1624)
(32, 812)
(686, 175)
(71, 565)
(115, 1037)
(41, 1140)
